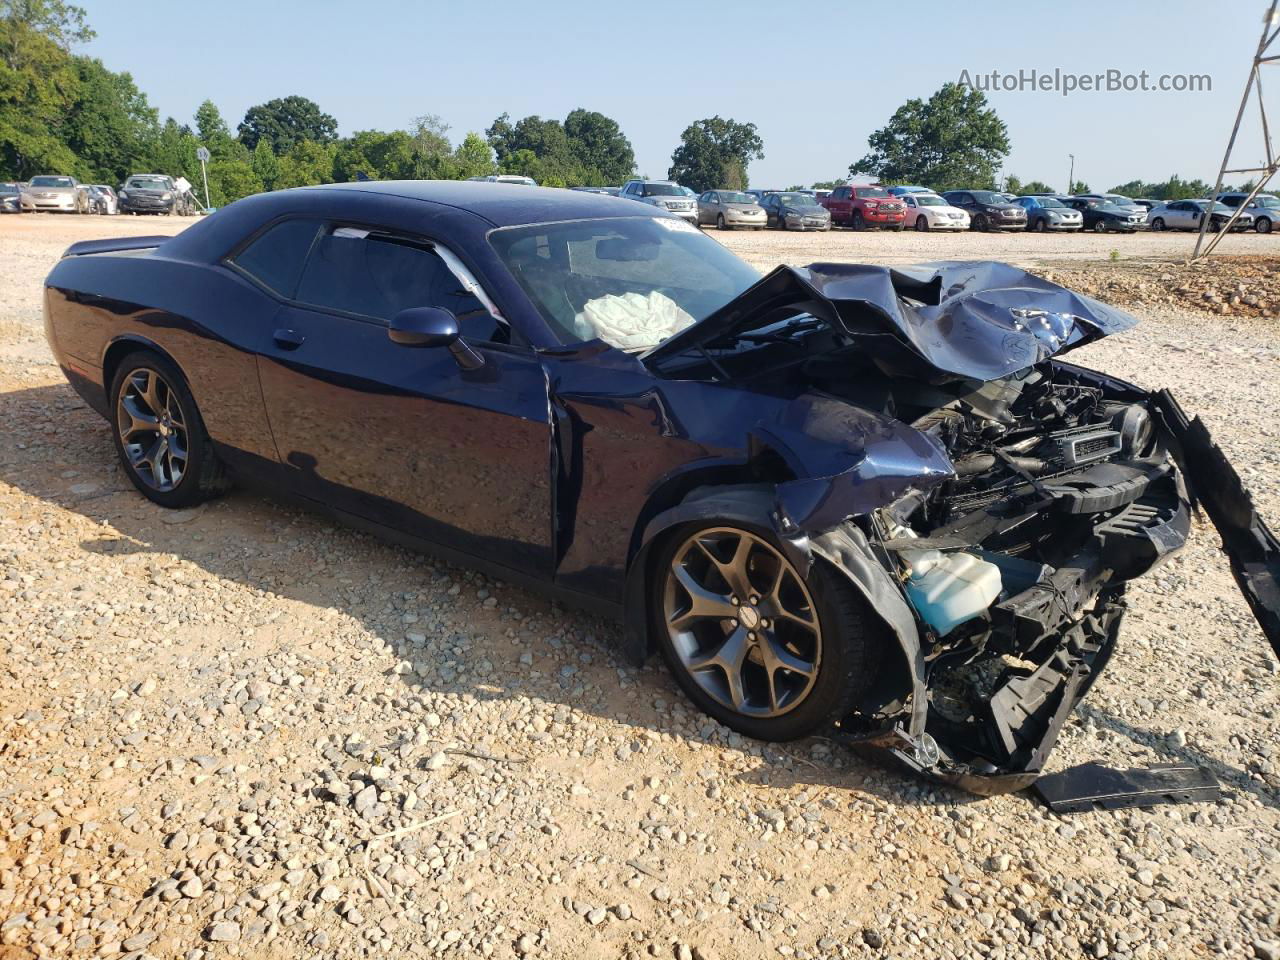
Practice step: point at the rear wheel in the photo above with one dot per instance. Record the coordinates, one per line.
(159, 434)
(763, 650)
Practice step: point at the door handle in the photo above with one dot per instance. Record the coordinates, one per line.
(288, 339)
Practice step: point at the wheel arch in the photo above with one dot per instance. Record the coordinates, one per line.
(121, 347)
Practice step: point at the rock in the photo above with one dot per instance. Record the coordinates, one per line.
(225, 931)
(872, 938)
(191, 888)
(597, 916)
(365, 799)
(1266, 949)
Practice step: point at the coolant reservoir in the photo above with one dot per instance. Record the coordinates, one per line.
(949, 588)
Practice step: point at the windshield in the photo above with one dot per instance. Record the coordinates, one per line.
(1049, 202)
(51, 182)
(146, 183)
(737, 198)
(662, 190)
(8, 189)
(1217, 207)
(796, 200)
(631, 281)
(987, 196)
(871, 192)
(1270, 203)
(929, 200)
(1119, 200)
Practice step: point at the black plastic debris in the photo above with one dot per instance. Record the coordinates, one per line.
(1092, 786)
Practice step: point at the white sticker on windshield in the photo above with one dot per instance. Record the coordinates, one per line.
(675, 224)
(351, 233)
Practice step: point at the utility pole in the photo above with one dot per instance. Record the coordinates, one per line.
(202, 154)
(1071, 177)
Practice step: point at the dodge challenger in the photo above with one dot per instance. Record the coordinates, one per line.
(840, 496)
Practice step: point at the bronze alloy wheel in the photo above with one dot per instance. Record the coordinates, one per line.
(153, 431)
(742, 622)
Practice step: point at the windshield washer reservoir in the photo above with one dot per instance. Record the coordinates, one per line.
(949, 588)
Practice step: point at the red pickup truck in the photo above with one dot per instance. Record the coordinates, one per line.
(862, 207)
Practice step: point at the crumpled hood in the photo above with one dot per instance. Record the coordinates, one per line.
(939, 321)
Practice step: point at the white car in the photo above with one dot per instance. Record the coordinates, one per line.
(928, 211)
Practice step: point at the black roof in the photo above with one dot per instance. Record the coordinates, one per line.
(503, 204)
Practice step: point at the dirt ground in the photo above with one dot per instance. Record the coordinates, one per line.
(242, 731)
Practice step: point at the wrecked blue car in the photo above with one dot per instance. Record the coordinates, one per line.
(849, 497)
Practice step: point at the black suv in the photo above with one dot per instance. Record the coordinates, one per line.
(988, 210)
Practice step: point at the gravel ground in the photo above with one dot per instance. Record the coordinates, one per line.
(240, 731)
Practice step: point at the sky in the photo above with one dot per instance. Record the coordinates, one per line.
(816, 78)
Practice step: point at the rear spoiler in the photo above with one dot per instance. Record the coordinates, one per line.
(84, 247)
(1250, 546)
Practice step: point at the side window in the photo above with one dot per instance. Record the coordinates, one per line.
(1231, 201)
(377, 275)
(275, 258)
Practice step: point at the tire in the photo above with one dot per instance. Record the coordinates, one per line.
(1040, 226)
(156, 386)
(897, 228)
(857, 222)
(844, 656)
(1262, 225)
(1157, 224)
(1099, 226)
(782, 222)
(922, 223)
(720, 224)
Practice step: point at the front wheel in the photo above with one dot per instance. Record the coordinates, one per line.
(1040, 226)
(922, 223)
(858, 222)
(159, 434)
(1262, 225)
(766, 652)
(980, 223)
(1099, 226)
(1157, 224)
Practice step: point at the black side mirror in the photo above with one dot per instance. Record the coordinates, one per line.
(433, 327)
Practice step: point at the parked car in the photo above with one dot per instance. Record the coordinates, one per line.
(987, 209)
(1187, 214)
(1265, 208)
(151, 193)
(928, 211)
(1145, 203)
(1101, 216)
(57, 194)
(614, 409)
(513, 178)
(903, 190)
(793, 210)
(102, 199)
(821, 195)
(1115, 199)
(665, 194)
(861, 207)
(727, 209)
(760, 194)
(14, 198)
(1049, 213)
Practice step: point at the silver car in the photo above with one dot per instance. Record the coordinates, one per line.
(1187, 214)
(1265, 208)
(730, 208)
(665, 194)
(59, 194)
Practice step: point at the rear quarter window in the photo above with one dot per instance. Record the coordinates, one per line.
(275, 259)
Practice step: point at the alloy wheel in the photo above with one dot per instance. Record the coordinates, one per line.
(153, 430)
(742, 622)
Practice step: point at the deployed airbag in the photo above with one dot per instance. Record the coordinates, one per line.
(632, 320)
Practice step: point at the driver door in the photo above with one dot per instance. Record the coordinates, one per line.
(403, 436)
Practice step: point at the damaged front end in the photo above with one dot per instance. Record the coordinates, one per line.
(989, 501)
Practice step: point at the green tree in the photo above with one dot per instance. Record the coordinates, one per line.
(714, 151)
(827, 184)
(62, 23)
(1078, 186)
(230, 180)
(951, 140)
(1037, 186)
(265, 165)
(285, 121)
(38, 82)
(174, 152)
(306, 164)
(210, 127)
(473, 157)
(110, 127)
(376, 154)
(433, 153)
(597, 144)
